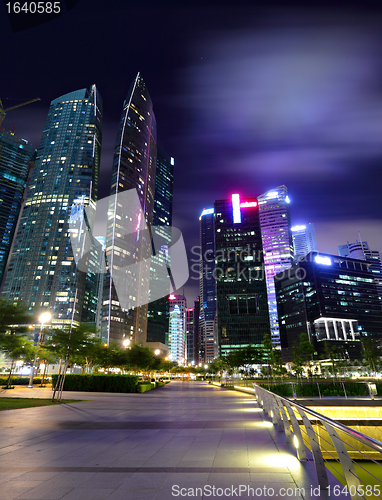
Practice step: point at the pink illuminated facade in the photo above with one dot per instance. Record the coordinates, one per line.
(277, 240)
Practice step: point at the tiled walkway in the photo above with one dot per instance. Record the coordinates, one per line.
(163, 444)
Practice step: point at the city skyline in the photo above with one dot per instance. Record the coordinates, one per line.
(317, 132)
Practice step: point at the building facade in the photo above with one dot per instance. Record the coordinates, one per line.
(16, 163)
(177, 329)
(332, 299)
(207, 286)
(128, 239)
(192, 337)
(362, 251)
(304, 240)
(42, 271)
(277, 241)
(158, 310)
(242, 304)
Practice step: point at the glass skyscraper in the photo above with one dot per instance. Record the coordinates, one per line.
(304, 241)
(158, 310)
(134, 166)
(242, 305)
(42, 271)
(277, 245)
(207, 285)
(177, 329)
(16, 161)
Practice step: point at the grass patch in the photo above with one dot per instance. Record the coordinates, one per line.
(16, 403)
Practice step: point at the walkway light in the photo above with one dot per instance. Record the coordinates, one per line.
(44, 318)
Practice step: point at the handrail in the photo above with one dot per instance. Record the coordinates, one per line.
(372, 443)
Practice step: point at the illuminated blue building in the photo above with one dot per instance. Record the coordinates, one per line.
(42, 271)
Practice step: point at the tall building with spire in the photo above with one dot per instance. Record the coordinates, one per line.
(42, 271)
(276, 235)
(134, 166)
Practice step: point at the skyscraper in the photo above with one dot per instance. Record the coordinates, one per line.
(277, 245)
(134, 166)
(158, 310)
(207, 286)
(192, 337)
(242, 305)
(332, 299)
(42, 270)
(177, 329)
(16, 162)
(362, 251)
(304, 240)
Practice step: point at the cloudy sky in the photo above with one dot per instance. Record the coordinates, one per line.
(247, 96)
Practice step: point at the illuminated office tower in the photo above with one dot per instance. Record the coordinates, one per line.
(192, 337)
(242, 304)
(277, 245)
(158, 310)
(177, 329)
(362, 251)
(42, 271)
(304, 241)
(334, 300)
(207, 286)
(16, 162)
(134, 166)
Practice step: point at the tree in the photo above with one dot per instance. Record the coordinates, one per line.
(140, 358)
(370, 353)
(302, 353)
(15, 347)
(14, 318)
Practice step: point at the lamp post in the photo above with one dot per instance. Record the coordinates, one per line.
(44, 318)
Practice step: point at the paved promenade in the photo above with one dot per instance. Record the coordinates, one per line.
(158, 445)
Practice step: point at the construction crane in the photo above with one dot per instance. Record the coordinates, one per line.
(3, 111)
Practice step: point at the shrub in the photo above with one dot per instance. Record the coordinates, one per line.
(98, 383)
(19, 380)
(145, 386)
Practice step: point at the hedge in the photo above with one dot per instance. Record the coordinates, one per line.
(145, 386)
(99, 382)
(19, 380)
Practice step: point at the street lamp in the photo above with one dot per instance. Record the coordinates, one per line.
(126, 343)
(44, 318)
(157, 352)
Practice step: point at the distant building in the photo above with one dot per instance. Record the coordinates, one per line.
(304, 240)
(42, 271)
(242, 304)
(362, 251)
(134, 165)
(277, 245)
(158, 310)
(332, 299)
(177, 329)
(207, 286)
(192, 337)
(16, 163)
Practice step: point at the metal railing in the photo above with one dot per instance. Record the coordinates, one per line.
(328, 441)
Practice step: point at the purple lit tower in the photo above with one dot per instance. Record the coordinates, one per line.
(277, 245)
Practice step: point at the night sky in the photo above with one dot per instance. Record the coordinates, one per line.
(247, 96)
